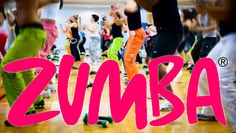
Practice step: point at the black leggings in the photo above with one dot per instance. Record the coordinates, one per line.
(105, 45)
(74, 48)
(81, 45)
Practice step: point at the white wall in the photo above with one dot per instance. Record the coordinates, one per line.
(85, 15)
(84, 12)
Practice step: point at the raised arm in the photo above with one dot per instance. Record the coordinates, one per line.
(219, 12)
(211, 26)
(11, 18)
(119, 20)
(2, 15)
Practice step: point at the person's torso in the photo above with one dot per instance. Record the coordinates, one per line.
(229, 26)
(105, 35)
(134, 20)
(117, 30)
(27, 12)
(75, 32)
(166, 16)
(204, 22)
(96, 33)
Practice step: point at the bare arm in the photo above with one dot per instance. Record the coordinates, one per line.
(119, 21)
(108, 24)
(62, 29)
(108, 32)
(11, 18)
(2, 16)
(211, 27)
(2, 7)
(93, 29)
(220, 12)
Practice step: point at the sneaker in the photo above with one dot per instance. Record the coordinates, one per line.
(202, 117)
(166, 106)
(8, 124)
(39, 105)
(190, 68)
(147, 73)
(90, 85)
(145, 67)
(52, 87)
(93, 73)
(161, 98)
(186, 64)
(104, 55)
(46, 94)
(126, 81)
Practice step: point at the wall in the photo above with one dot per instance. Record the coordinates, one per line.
(84, 12)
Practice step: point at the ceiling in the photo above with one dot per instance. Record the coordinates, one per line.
(109, 2)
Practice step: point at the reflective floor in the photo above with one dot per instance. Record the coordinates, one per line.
(57, 124)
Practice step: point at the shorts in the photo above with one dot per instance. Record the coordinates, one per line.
(207, 45)
(164, 44)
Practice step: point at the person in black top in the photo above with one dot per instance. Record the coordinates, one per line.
(188, 20)
(76, 38)
(116, 25)
(170, 32)
(225, 14)
(135, 41)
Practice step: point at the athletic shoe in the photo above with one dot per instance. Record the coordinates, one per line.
(190, 68)
(160, 97)
(104, 55)
(202, 117)
(126, 81)
(39, 105)
(186, 64)
(93, 73)
(90, 85)
(166, 106)
(46, 94)
(6, 122)
(52, 87)
(145, 67)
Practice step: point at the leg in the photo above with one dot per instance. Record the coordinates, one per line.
(207, 45)
(28, 77)
(81, 45)
(164, 44)
(132, 48)
(196, 51)
(91, 53)
(115, 47)
(74, 49)
(52, 34)
(27, 44)
(227, 74)
(203, 85)
(96, 50)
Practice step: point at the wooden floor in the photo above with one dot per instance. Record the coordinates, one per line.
(57, 125)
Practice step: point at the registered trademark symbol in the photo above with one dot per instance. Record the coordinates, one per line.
(223, 62)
